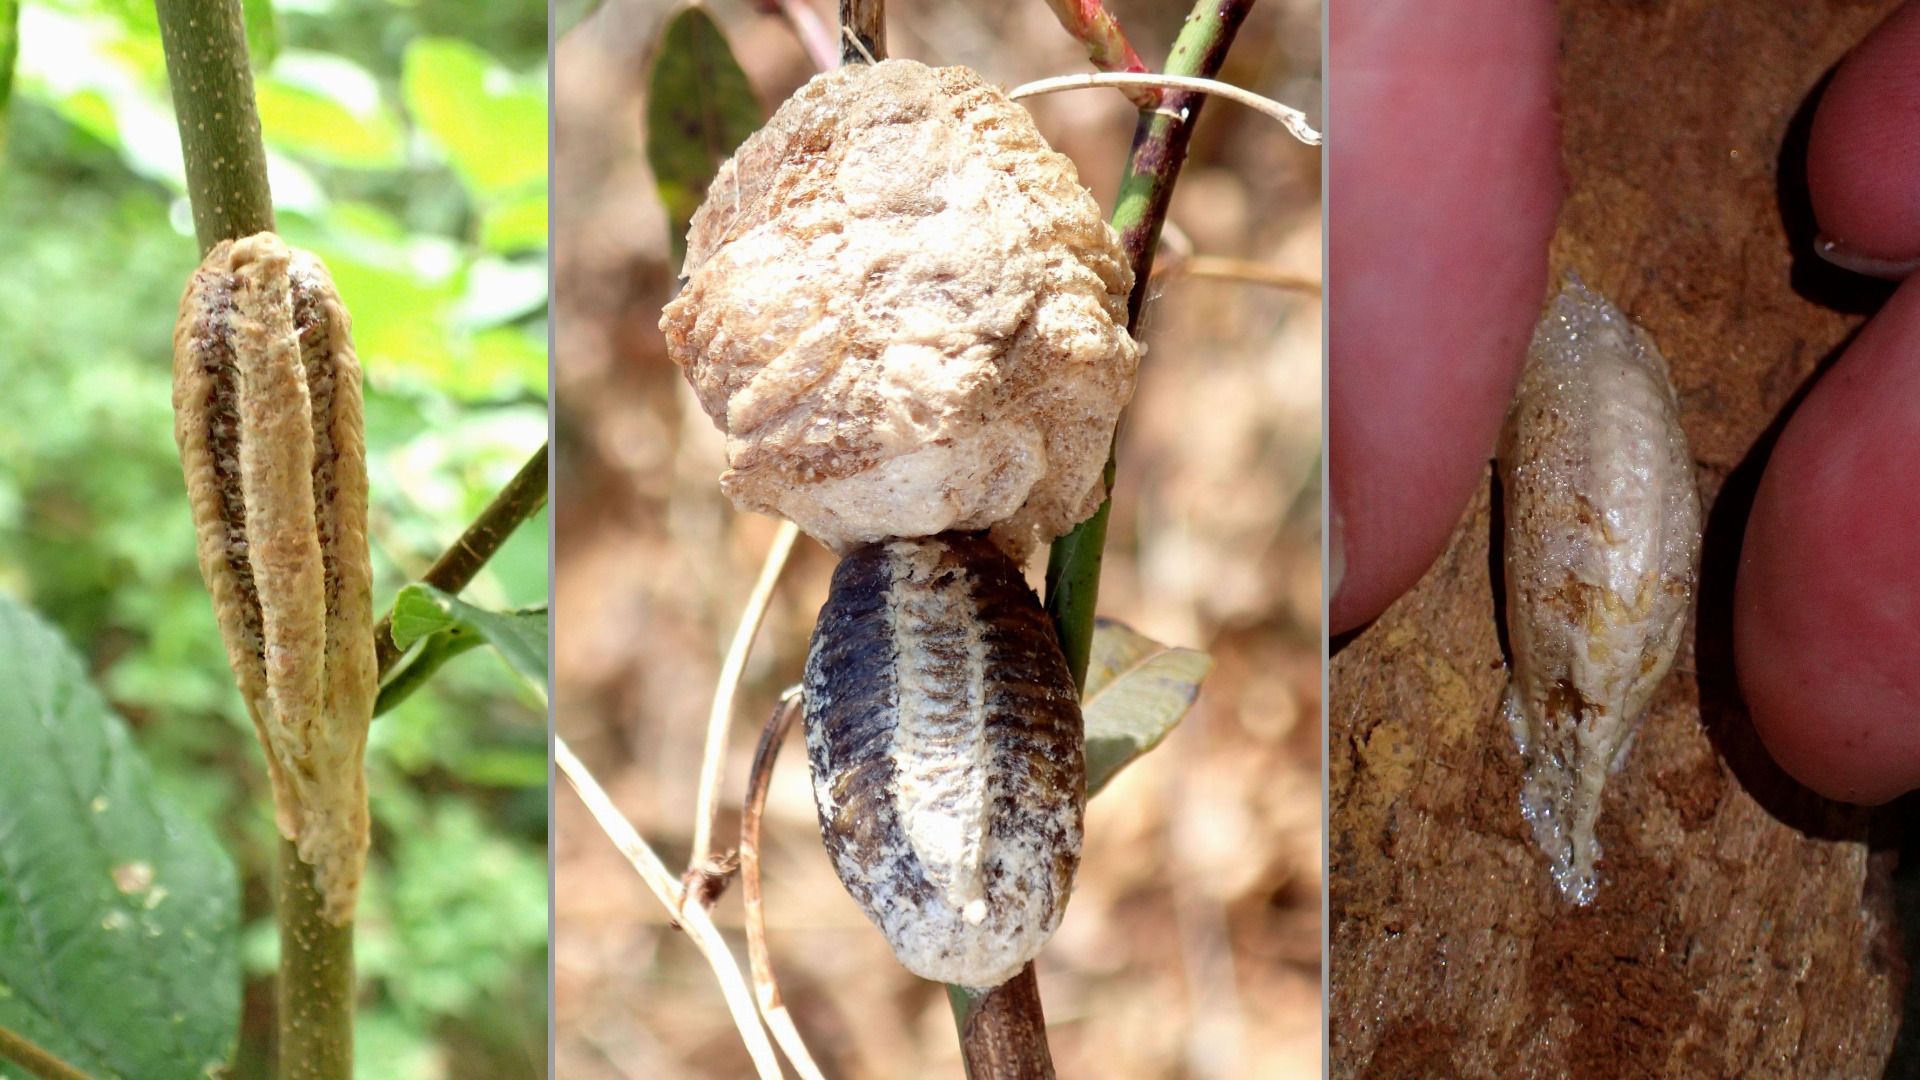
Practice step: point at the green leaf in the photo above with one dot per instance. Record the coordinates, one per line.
(492, 125)
(1137, 691)
(449, 626)
(117, 911)
(699, 110)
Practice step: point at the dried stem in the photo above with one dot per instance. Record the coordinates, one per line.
(520, 499)
(863, 31)
(205, 42)
(693, 918)
(1289, 117)
(1002, 1031)
(1107, 45)
(766, 991)
(719, 720)
(1221, 268)
(316, 978)
(21, 1051)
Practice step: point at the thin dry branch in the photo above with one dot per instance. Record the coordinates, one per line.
(1292, 119)
(1222, 268)
(692, 917)
(719, 720)
(766, 990)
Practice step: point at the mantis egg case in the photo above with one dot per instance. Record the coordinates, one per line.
(1602, 553)
(943, 730)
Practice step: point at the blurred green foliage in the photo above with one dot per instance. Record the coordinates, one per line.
(407, 147)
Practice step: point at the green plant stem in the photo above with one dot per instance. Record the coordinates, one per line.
(18, 1049)
(1002, 1032)
(316, 979)
(206, 47)
(520, 499)
(1146, 189)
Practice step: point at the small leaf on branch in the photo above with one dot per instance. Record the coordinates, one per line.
(422, 612)
(1137, 691)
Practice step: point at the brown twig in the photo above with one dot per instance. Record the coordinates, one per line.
(23, 1052)
(1003, 1031)
(766, 990)
(863, 31)
(523, 497)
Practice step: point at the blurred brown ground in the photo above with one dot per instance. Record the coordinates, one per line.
(1192, 945)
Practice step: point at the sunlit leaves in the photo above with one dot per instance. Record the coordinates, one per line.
(307, 107)
(491, 124)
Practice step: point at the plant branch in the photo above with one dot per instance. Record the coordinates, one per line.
(766, 990)
(520, 499)
(23, 1052)
(1107, 45)
(316, 978)
(205, 42)
(692, 918)
(863, 31)
(720, 718)
(1146, 190)
(1002, 1030)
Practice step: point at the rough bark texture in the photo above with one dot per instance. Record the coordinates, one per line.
(1743, 926)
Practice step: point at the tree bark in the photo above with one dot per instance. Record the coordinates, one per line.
(1744, 926)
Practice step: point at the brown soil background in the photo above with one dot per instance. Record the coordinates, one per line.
(1192, 945)
(1743, 926)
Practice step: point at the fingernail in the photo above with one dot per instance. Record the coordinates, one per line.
(1846, 258)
